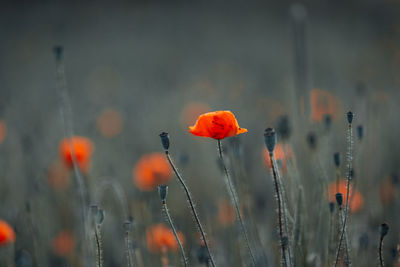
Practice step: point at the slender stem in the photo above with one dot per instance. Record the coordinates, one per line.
(98, 245)
(347, 262)
(278, 195)
(128, 249)
(235, 201)
(189, 197)
(349, 159)
(380, 252)
(165, 208)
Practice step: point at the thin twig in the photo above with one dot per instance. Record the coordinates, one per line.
(189, 197)
(235, 201)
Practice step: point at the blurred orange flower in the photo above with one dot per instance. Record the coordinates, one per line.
(57, 175)
(7, 234)
(83, 148)
(3, 131)
(191, 112)
(323, 103)
(159, 237)
(151, 170)
(356, 198)
(226, 213)
(217, 125)
(64, 243)
(109, 123)
(282, 155)
(387, 191)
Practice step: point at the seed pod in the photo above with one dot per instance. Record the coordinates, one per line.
(339, 198)
(383, 229)
(336, 159)
(270, 139)
(164, 140)
(163, 192)
(350, 116)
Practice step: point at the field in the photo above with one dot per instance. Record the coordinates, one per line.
(96, 101)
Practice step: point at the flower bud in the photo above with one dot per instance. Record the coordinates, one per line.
(58, 51)
(339, 198)
(336, 159)
(270, 139)
(165, 140)
(163, 192)
(383, 229)
(360, 132)
(350, 116)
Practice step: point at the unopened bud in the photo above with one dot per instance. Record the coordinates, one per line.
(336, 159)
(163, 192)
(360, 132)
(165, 140)
(384, 229)
(270, 139)
(58, 51)
(350, 116)
(339, 198)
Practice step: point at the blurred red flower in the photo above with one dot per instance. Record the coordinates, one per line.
(159, 237)
(356, 198)
(64, 243)
(282, 154)
(217, 125)
(83, 149)
(323, 103)
(151, 170)
(7, 234)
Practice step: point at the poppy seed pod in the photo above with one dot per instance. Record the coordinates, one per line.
(164, 140)
(163, 192)
(360, 132)
(331, 206)
(58, 51)
(336, 159)
(100, 216)
(328, 121)
(312, 140)
(283, 127)
(384, 229)
(339, 198)
(270, 139)
(350, 116)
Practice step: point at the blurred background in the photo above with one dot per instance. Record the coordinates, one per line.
(137, 68)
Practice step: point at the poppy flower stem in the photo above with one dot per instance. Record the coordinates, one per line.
(189, 197)
(349, 166)
(66, 117)
(278, 195)
(171, 224)
(346, 246)
(235, 201)
(128, 244)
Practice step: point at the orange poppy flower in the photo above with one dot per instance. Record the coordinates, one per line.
(387, 191)
(151, 170)
(57, 175)
(282, 155)
(226, 213)
(217, 125)
(64, 243)
(109, 123)
(7, 234)
(159, 237)
(83, 148)
(323, 103)
(356, 198)
(191, 112)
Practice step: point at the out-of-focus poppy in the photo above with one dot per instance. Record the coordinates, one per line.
(217, 125)
(109, 123)
(387, 191)
(83, 149)
(159, 237)
(151, 170)
(7, 234)
(191, 112)
(282, 153)
(64, 243)
(3, 131)
(226, 213)
(58, 175)
(356, 198)
(323, 103)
